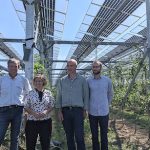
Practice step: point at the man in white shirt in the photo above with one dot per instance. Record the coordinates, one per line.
(13, 88)
(101, 93)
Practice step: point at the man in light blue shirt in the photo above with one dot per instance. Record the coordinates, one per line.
(101, 93)
(13, 88)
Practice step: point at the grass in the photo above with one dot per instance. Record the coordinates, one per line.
(115, 142)
(143, 120)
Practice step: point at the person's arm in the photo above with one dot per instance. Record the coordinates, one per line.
(0, 84)
(27, 87)
(32, 112)
(110, 91)
(85, 97)
(59, 96)
(45, 112)
(50, 105)
(60, 115)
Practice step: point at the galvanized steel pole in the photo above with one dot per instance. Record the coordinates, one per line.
(29, 34)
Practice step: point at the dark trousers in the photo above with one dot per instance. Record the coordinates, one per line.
(74, 127)
(43, 129)
(95, 122)
(11, 115)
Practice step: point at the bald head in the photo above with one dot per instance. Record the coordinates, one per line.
(71, 66)
(73, 61)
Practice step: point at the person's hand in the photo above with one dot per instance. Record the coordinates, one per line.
(60, 116)
(42, 114)
(37, 115)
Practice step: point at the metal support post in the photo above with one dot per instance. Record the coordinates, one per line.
(49, 51)
(41, 50)
(148, 49)
(29, 34)
(148, 30)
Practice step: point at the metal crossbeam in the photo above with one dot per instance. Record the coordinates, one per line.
(4, 59)
(103, 61)
(95, 43)
(77, 42)
(15, 40)
(66, 69)
(12, 40)
(63, 61)
(7, 51)
(3, 68)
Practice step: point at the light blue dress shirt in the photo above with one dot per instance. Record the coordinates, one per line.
(101, 94)
(12, 91)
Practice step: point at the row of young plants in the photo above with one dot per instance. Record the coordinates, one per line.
(135, 108)
(139, 96)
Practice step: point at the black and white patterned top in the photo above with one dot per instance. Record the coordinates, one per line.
(33, 102)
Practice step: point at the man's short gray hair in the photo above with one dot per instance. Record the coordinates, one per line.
(13, 60)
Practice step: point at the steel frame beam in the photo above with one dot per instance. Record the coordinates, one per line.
(66, 69)
(3, 68)
(12, 40)
(76, 42)
(29, 39)
(63, 61)
(95, 43)
(4, 59)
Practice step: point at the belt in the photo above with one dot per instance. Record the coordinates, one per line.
(72, 107)
(12, 106)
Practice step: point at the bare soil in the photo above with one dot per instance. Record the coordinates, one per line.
(131, 134)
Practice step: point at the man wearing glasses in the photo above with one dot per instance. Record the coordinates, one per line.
(101, 93)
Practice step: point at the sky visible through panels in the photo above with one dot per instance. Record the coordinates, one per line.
(71, 23)
(130, 27)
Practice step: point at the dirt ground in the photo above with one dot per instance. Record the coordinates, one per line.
(132, 134)
(126, 133)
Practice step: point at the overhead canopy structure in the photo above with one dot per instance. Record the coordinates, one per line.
(110, 21)
(114, 21)
(3, 68)
(7, 50)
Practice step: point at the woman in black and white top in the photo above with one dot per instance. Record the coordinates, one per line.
(38, 104)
